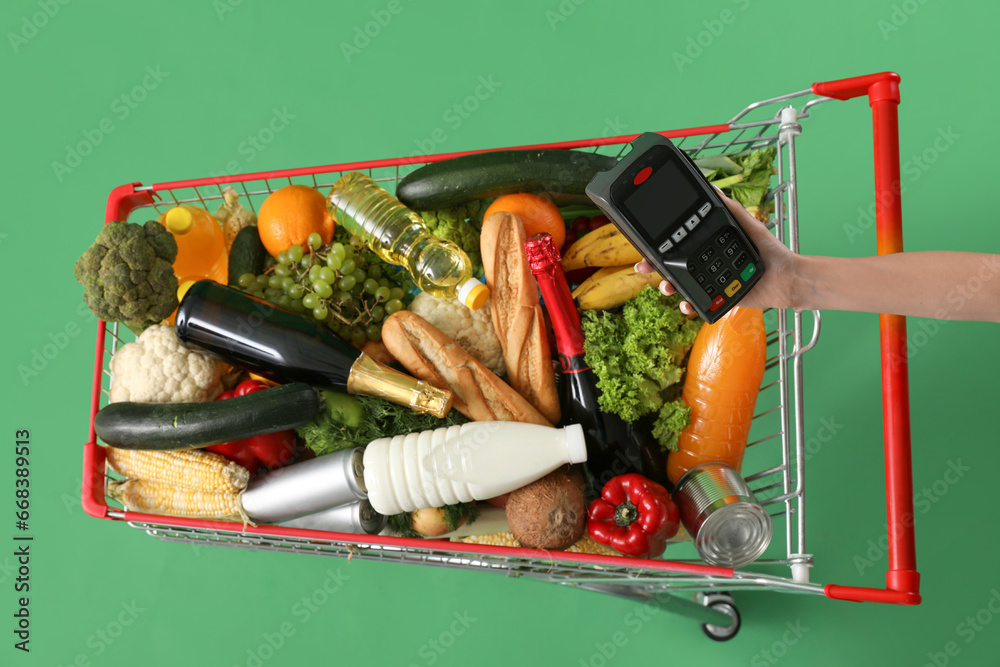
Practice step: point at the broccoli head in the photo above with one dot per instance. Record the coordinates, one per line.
(460, 225)
(128, 275)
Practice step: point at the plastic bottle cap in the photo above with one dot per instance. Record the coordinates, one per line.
(179, 220)
(183, 289)
(473, 294)
(576, 444)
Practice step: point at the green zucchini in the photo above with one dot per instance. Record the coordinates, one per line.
(449, 183)
(246, 255)
(193, 425)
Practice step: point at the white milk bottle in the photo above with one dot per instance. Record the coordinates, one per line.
(462, 463)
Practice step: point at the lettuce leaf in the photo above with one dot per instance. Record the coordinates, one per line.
(638, 358)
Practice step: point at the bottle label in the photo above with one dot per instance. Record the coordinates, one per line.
(574, 364)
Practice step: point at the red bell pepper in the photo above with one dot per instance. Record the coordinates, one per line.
(634, 516)
(273, 450)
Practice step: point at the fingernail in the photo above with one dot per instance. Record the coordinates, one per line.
(636, 267)
(663, 288)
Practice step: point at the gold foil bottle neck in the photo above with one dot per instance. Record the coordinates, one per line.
(370, 378)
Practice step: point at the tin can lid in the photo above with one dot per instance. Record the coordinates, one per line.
(371, 521)
(734, 535)
(357, 467)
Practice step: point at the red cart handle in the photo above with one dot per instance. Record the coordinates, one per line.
(902, 579)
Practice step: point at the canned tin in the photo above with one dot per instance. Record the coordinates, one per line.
(721, 513)
(307, 487)
(357, 517)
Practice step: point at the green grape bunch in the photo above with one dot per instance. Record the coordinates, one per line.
(342, 284)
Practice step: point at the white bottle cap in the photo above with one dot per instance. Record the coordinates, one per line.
(473, 294)
(576, 444)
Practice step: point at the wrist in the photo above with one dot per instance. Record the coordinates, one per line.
(796, 281)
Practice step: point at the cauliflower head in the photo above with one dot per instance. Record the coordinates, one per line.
(128, 274)
(156, 368)
(471, 329)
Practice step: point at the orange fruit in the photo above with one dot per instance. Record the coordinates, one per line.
(289, 215)
(536, 212)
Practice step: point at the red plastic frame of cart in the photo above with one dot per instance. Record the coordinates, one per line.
(902, 577)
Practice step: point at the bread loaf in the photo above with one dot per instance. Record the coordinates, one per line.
(517, 315)
(431, 356)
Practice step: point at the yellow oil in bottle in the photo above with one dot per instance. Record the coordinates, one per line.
(399, 236)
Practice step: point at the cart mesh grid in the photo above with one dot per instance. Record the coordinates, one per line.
(775, 461)
(775, 481)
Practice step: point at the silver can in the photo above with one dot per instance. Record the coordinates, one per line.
(307, 487)
(357, 517)
(722, 515)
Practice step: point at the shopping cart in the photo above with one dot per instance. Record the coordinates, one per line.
(775, 462)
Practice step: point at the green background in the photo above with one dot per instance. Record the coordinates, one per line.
(227, 65)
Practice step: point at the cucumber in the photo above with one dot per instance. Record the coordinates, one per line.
(449, 183)
(193, 425)
(247, 255)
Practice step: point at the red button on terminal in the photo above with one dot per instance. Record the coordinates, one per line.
(716, 302)
(642, 175)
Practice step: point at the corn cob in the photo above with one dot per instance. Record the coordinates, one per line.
(155, 498)
(194, 469)
(493, 540)
(586, 544)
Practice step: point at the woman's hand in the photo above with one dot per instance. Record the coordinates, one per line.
(776, 288)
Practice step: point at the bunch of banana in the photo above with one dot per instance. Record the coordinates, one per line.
(612, 286)
(605, 246)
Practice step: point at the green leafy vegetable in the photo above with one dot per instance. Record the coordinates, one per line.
(745, 176)
(672, 418)
(637, 356)
(461, 225)
(757, 171)
(127, 274)
(354, 421)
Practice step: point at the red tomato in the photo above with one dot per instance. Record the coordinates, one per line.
(597, 222)
(577, 276)
(570, 240)
(580, 223)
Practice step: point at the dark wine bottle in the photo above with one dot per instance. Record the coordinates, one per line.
(614, 446)
(286, 347)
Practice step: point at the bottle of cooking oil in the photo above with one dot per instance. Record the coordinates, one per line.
(201, 244)
(399, 236)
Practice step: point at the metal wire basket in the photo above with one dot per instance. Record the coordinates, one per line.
(775, 460)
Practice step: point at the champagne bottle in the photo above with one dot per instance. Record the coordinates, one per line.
(614, 446)
(285, 347)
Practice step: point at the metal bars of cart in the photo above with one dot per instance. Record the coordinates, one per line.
(684, 586)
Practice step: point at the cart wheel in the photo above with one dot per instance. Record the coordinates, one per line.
(725, 604)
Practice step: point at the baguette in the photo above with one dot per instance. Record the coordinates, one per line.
(517, 316)
(433, 357)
